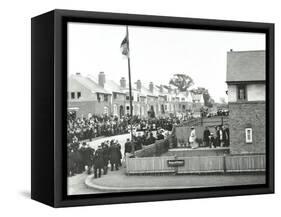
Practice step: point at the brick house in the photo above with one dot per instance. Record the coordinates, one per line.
(118, 95)
(246, 98)
(86, 97)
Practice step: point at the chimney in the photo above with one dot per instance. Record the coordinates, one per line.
(151, 87)
(161, 88)
(78, 73)
(231, 50)
(170, 89)
(101, 79)
(123, 82)
(138, 85)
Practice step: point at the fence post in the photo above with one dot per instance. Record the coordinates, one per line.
(176, 168)
(224, 163)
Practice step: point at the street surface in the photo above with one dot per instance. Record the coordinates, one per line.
(119, 181)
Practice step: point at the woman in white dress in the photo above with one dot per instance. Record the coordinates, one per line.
(192, 138)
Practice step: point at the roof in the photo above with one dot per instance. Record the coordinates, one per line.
(89, 84)
(245, 66)
(110, 85)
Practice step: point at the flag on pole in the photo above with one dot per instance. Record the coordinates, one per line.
(125, 45)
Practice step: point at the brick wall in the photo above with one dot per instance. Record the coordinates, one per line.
(243, 115)
(86, 107)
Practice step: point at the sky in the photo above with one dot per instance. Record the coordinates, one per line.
(157, 53)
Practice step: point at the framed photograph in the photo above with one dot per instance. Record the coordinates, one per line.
(134, 108)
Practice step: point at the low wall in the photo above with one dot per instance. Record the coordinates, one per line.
(156, 149)
(199, 164)
(183, 152)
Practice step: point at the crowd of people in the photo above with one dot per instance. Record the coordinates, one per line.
(95, 126)
(104, 125)
(83, 158)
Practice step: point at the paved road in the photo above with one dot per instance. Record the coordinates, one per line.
(119, 181)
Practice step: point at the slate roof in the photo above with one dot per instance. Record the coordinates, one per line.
(110, 85)
(89, 84)
(245, 66)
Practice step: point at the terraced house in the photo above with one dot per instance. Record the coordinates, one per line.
(88, 95)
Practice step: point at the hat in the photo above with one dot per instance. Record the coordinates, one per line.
(192, 127)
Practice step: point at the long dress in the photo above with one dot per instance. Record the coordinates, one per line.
(192, 139)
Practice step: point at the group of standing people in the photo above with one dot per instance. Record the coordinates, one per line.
(218, 139)
(81, 158)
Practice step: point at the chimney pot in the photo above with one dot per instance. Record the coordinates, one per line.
(151, 87)
(123, 82)
(138, 85)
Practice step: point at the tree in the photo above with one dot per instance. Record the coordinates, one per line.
(208, 101)
(182, 81)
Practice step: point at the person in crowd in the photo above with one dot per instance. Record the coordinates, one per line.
(151, 139)
(192, 137)
(206, 137)
(114, 156)
(87, 157)
(225, 132)
(128, 147)
(212, 141)
(160, 136)
(120, 153)
(105, 152)
(98, 162)
(218, 141)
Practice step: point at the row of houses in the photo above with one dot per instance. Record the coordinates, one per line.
(88, 95)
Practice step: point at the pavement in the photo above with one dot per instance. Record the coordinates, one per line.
(117, 181)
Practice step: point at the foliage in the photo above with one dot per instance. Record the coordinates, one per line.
(182, 81)
(208, 101)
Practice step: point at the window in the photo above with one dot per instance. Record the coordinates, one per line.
(241, 92)
(105, 98)
(249, 135)
(78, 95)
(72, 95)
(98, 97)
(114, 95)
(128, 98)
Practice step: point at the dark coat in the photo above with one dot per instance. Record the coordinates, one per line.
(114, 154)
(105, 151)
(98, 159)
(206, 135)
(87, 155)
(128, 147)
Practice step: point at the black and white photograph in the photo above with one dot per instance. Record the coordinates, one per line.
(153, 108)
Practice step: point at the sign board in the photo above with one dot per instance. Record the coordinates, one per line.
(175, 163)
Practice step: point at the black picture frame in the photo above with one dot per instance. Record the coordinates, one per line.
(49, 103)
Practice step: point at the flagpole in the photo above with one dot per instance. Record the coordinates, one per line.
(130, 92)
